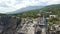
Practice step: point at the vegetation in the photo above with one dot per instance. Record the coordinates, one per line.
(48, 10)
(53, 9)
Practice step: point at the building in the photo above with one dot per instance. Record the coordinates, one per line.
(52, 16)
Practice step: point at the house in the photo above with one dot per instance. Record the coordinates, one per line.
(52, 16)
(57, 27)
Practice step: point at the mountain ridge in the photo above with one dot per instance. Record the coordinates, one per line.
(25, 9)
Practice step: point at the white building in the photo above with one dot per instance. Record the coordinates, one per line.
(53, 16)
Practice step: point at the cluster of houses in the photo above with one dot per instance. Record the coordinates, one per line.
(55, 26)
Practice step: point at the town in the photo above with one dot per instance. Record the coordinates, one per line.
(29, 16)
(17, 25)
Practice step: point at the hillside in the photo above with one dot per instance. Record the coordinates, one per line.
(54, 9)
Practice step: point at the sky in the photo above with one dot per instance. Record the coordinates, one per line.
(13, 5)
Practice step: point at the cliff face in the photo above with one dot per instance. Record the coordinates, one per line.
(9, 24)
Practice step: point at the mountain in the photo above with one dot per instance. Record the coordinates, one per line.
(34, 10)
(50, 7)
(25, 9)
(54, 9)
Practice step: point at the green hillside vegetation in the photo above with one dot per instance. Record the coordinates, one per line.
(54, 9)
(31, 13)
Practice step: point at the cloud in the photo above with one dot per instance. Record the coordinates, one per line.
(12, 5)
(54, 2)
